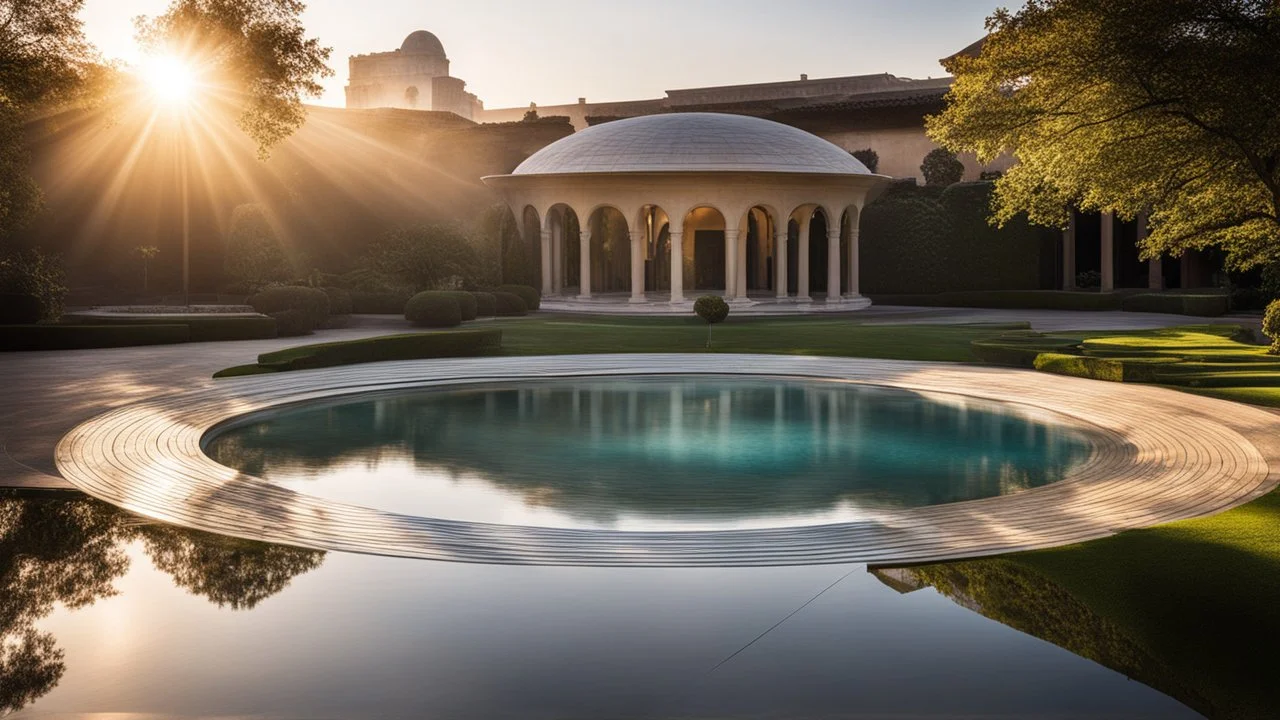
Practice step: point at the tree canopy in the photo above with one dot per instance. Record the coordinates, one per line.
(941, 168)
(255, 53)
(1166, 106)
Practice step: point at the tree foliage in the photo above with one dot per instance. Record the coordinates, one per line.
(44, 58)
(436, 256)
(254, 257)
(941, 168)
(868, 157)
(254, 51)
(1166, 106)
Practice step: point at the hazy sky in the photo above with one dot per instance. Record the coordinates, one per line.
(512, 52)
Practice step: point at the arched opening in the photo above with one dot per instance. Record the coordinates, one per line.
(564, 247)
(818, 252)
(656, 225)
(610, 259)
(411, 96)
(759, 250)
(704, 258)
(523, 262)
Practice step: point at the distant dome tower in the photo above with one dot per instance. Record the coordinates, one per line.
(414, 77)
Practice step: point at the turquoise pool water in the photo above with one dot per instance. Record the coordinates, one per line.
(652, 453)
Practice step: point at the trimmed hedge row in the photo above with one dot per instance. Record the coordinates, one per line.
(486, 304)
(202, 329)
(297, 310)
(1010, 300)
(20, 309)
(433, 309)
(78, 337)
(509, 304)
(1200, 305)
(461, 343)
(530, 295)
(1109, 369)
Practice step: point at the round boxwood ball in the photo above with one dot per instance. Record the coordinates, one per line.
(433, 309)
(486, 304)
(339, 301)
(466, 304)
(532, 298)
(508, 304)
(308, 301)
(291, 323)
(711, 308)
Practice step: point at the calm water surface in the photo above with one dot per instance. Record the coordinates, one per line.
(101, 613)
(653, 453)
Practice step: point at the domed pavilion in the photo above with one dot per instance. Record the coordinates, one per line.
(666, 207)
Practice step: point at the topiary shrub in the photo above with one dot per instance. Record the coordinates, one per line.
(530, 295)
(20, 309)
(868, 157)
(486, 304)
(292, 323)
(941, 168)
(466, 304)
(713, 309)
(508, 304)
(433, 309)
(1271, 326)
(339, 301)
(311, 304)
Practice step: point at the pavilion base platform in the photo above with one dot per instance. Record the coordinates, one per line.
(659, 304)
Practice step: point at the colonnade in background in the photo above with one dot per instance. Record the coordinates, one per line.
(653, 252)
(1188, 273)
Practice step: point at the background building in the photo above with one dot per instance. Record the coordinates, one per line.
(415, 77)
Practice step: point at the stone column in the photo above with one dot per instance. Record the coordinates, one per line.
(1155, 266)
(730, 263)
(546, 260)
(677, 263)
(780, 260)
(851, 287)
(557, 258)
(802, 272)
(637, 266)
(833, 260)
(1108, 252)
(1069, 252)
(584, 264)
(740, 287)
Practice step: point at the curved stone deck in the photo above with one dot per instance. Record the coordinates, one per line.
(1160, 455)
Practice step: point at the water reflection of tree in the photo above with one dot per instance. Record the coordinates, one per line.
(514, 437)
(227, 571)
(69, 549)
(1025, 600)
(51, 551)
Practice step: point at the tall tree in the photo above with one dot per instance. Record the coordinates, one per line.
(255, 53)
(44, 58)
(1166, 106)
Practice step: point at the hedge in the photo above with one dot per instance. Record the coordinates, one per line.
(378, 303)
(1010, 299)
(311, 305)
(202, 329)
(77, 337)
(509, 304)
(467, 304)
(1109, 369)
(529, 294)
(1019, 349)
(20, 309)
(486, 304)
(339, 301)
(293, 323)
(433, 309)
(1200, 305)
(1271, 326)
(917, 240)
(459, 343)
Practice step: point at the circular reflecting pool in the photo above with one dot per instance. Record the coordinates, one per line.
(652, 453)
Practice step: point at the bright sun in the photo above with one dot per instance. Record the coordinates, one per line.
(172, 80)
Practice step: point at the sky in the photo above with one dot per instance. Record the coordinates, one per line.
(513, 52)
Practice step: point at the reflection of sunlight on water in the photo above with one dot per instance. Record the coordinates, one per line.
(655, 454)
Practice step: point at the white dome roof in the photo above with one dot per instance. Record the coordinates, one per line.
(692, 142)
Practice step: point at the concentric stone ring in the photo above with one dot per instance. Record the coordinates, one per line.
(1159, 455)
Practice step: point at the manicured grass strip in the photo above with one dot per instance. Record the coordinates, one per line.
(77, 337)
(464, 343)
